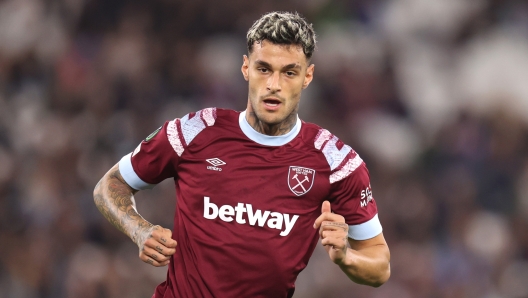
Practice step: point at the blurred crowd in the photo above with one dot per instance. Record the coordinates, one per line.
(432, 95)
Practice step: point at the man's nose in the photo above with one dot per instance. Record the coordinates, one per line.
(274, 82)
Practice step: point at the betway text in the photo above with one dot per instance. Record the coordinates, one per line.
(227, 213)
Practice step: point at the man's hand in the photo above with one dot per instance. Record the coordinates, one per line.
(156, 246)
(333, 231)
(367, 261)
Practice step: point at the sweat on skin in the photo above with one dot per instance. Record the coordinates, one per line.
(274, 220)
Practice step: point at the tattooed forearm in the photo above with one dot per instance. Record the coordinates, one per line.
(115, 200)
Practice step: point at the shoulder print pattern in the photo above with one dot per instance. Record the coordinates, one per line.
(340, 157)
(181, 132)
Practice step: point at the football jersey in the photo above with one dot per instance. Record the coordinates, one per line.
(247, 202)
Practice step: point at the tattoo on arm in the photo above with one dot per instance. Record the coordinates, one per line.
(114, 199)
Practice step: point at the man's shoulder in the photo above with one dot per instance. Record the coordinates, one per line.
(206, 117)
(227, 114)
(339, 156)
(318, 136)
(182, 131)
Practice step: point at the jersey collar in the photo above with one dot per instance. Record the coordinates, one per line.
(265, 139)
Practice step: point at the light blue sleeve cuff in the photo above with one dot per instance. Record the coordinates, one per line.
(366, 230)
(130, 176)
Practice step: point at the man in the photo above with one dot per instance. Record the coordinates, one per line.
(255, 189)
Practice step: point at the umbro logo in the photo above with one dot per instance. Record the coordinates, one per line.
(215, 163)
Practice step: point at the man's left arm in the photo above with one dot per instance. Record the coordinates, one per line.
(365, 261)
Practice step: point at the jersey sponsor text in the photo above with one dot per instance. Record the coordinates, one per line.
(366, 196)
(274, 220)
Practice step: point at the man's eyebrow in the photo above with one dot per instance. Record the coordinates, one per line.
(292, 65)
(263, 63)
(267, 65)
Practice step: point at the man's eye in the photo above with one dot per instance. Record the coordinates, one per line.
(290, 73)
(263, 70)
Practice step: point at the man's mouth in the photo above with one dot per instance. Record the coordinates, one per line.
(272, 102)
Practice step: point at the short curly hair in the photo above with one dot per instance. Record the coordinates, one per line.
(283, 28)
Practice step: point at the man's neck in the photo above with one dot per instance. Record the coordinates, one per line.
(272, 129)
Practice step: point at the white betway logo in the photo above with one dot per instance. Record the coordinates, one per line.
(274, 220)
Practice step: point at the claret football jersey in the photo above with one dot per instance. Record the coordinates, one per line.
(247, 202)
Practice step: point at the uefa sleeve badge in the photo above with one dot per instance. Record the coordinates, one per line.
(150, 136)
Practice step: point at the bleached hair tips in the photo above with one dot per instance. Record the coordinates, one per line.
(283, 28)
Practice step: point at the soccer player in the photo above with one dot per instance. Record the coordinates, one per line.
(255, 189)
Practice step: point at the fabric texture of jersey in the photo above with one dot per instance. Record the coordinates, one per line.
(246, 202)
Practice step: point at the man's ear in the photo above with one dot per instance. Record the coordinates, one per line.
(245, 67)
(309, 75)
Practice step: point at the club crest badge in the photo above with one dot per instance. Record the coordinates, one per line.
(300, 180)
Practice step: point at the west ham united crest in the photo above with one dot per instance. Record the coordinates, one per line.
(300, 180)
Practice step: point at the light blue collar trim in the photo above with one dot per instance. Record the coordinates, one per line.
(265, 139)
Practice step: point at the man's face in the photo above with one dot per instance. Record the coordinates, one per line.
(276, 75)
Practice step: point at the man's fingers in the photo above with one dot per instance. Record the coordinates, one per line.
(333, 231)
(334, 239)
(325, 211)
(159, 247)
(168, 241)
(336, 243)
(333, 234)
(149, 260)
(153, 254)
(329, 217)
(164, 236)
(325, 207)
(334, 226)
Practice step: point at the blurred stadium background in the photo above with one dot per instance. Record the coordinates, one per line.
(432, 94)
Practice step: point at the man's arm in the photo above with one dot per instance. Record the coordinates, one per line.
(365, 262)
(115, 200)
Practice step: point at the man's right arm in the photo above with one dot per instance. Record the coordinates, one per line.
(115, 200)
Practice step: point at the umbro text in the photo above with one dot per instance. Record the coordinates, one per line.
(214, 168)
(274, 220)
(215, 164)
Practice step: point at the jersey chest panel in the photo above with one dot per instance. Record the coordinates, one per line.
(269, 176)
(288, 182)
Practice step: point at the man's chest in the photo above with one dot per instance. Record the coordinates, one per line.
(233, 172)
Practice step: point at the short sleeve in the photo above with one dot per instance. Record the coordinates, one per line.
(351, 197)
(153, 161)
(350, 192)
(157, 157)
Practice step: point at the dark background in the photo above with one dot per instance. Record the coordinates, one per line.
(432, 94)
